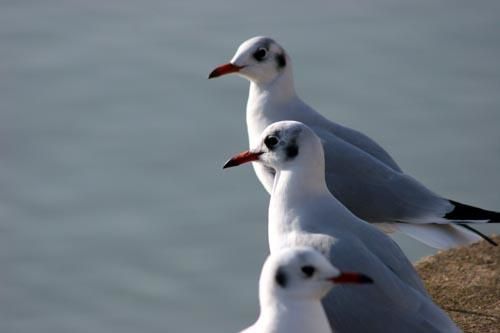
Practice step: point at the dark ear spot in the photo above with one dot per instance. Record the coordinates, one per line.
(280, 60)
(292, 150)
(281, 278)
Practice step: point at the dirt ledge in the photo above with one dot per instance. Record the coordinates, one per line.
(466, 283)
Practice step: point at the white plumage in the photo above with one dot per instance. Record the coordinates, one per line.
(302, 212)
(292, 283)
(360, 173)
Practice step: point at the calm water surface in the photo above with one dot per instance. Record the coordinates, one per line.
(115, 215)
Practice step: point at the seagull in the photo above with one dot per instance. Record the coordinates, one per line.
(359, 172)
(302, 212)
(292, 283)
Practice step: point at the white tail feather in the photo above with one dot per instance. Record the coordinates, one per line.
(439, 236)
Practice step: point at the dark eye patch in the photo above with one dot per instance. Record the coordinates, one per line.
(280, 60)
(260, 54)
(292, 150)
(281, 278)
(308, 270)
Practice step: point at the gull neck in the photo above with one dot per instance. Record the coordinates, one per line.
(303, 176)
(301, 315)
(281, 89)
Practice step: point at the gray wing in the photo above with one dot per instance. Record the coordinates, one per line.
(364, 177)
(374, 191)
(388, 252)
(353, 137)
(364, 143)
(389, 305)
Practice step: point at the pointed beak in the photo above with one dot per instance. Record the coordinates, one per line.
(351, 277)
(241, 158)
(224, 69)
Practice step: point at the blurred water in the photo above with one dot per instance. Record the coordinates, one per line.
(115, 215)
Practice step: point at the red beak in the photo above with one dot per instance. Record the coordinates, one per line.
(243, 157)
(351, 277)
(224, 69)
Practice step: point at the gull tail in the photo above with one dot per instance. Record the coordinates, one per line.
(441, 236)
(471, 214)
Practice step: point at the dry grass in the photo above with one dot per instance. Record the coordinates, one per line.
(466, 283)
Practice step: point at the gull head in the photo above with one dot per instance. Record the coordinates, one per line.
(301, 273)
(258, 59)
(284, 144)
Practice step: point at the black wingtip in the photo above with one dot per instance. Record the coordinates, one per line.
(479, 233)
(462, 212)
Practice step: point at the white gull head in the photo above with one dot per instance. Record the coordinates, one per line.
(301, 273)
(292, 283)
(259, 59)
(286, 145)
(298, 273)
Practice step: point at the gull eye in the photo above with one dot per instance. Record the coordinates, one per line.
(271, 141)
(308, 270)
(260, 54)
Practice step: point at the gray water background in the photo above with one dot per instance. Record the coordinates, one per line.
(115, 215)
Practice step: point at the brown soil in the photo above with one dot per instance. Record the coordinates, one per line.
(466, 283)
